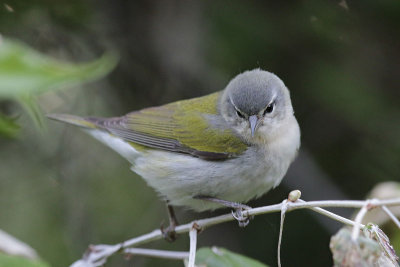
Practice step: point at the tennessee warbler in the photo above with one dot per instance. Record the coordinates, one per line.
(234, 145)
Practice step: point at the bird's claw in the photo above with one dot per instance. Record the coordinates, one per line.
(241, 215)
(169, 233)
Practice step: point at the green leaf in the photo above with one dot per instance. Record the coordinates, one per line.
(16, 261)
(24, 71)
(220, 257)
(8, 127)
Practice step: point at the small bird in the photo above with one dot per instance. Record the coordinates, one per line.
(212, 151)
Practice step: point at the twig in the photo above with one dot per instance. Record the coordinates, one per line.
(193, 244)
(283, 213)
(331, 215)
(357, 223)
(369, 203)
(391, 216)
(156, 253)
(97, 255)
(293, 196)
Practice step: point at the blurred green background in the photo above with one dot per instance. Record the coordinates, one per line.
(61, 190)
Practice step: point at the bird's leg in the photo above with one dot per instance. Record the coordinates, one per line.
(169, 232)
(242, 219)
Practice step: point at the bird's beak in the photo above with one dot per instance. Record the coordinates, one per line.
(254, 123)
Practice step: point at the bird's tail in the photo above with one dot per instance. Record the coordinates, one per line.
(92, 127)
(71, 119)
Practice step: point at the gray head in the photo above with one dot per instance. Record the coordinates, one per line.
(256, 103)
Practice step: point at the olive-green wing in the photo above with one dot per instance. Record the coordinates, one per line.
(184, 126)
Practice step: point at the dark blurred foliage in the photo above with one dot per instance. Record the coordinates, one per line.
(60, 190)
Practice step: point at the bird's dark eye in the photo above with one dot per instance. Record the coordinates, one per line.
(240, 114)
(270, 108)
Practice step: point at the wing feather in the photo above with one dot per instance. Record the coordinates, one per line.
(178, 127)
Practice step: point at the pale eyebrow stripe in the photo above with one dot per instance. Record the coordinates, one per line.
(237, 109)
(273, 99)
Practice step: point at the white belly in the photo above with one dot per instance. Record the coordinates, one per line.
(179, 178)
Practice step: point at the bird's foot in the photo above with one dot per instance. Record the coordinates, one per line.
(169, 233)
(240, 214)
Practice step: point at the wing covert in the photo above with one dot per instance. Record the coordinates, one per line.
(180, 127)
